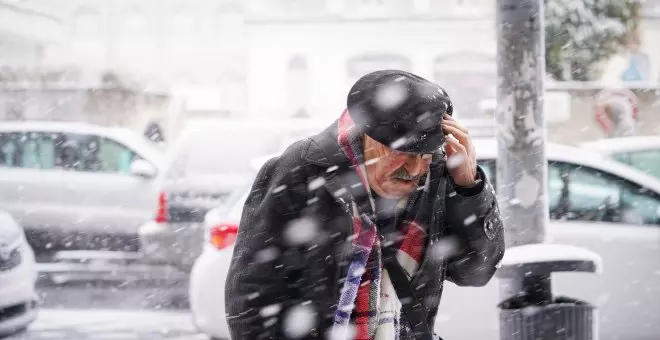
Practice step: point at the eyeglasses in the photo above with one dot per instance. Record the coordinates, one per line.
(424, 156)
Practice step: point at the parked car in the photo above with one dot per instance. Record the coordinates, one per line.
(77, 186)
(642, 152)
(595, 203)
(209, 160)
(207, 278)
(18, 277)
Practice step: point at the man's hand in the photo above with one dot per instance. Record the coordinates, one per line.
(461, 158)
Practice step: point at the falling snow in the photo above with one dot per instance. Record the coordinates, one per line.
(530, 311)
(358, 272)
(390, 96)
(527, 190)
(470, 219)
(455, 160)
(270, 310)
(398, 143)
(316, 183)
(299, 321)
(266, 255)
(341, 332)
(340, 192)
(301, 231)
(580, 35)
(446, 247)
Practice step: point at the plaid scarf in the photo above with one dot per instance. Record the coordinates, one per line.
(368, 300)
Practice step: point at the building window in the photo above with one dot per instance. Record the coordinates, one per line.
(470, 80)
(298, 85)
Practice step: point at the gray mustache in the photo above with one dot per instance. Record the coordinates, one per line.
(401, 173)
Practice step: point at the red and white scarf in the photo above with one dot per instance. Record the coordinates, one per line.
(368, 307)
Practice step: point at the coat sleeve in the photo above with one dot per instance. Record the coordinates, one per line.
(473, 216)
(258, 285)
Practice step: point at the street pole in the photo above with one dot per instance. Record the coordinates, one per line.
(521, 163)
(528, 309)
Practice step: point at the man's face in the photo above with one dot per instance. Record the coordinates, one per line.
(393, 174)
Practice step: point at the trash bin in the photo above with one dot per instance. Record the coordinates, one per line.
(529, 310)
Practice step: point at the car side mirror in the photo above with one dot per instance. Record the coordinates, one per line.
(142, 168)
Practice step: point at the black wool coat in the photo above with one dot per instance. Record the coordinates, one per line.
(294, 244)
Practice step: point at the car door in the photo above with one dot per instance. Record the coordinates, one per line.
(619, 220)
(593, 209)
(32, 183)
(111, 202)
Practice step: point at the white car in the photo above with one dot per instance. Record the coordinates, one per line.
(640, 152)
(18, 276)
(207, 278)
(77, 186)
(595, 203)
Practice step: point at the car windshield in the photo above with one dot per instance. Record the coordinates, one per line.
(209, 151)
(230, 152)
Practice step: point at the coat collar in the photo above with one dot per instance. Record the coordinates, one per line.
(324, 151)
(314, 151)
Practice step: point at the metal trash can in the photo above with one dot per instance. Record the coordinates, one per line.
(529, 311)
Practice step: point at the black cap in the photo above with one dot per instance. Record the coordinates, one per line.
(400, 110)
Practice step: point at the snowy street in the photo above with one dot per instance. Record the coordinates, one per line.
(101, 324)
(109, 311)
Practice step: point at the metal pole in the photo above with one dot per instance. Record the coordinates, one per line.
(521, 163)
(522, 186)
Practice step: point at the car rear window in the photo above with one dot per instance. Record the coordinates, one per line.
(229, 150)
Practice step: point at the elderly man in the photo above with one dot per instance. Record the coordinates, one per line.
(351, 233)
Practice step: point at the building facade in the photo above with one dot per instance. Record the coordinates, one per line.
(26, 32)
(284, 58)
(183, 47)
(303, 55)
(279, 58)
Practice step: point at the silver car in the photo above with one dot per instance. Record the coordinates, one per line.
(76, 186)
